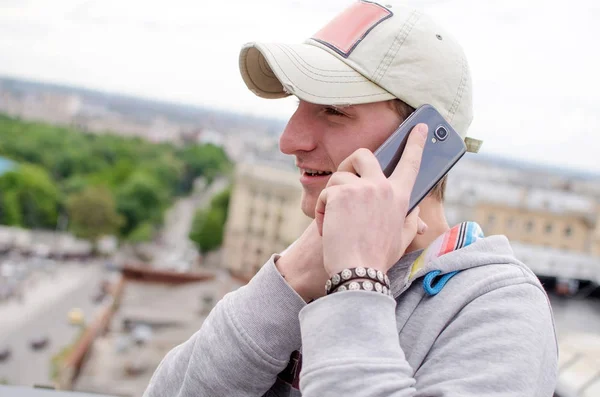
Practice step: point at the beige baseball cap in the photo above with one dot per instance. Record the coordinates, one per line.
(369, 52)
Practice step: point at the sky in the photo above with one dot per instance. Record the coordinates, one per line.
(534, 63)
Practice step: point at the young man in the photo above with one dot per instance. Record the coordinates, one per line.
(368, 302)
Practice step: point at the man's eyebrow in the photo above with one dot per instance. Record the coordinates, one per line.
(343, 108)
(348, 110)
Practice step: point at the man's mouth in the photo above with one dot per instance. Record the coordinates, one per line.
(310, 172)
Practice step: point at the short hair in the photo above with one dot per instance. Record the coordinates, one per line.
(404, 110)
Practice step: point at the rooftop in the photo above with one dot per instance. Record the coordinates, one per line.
(153, 317)
(473, 191)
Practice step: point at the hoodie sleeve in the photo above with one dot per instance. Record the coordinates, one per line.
(501, 344)
(244, 343)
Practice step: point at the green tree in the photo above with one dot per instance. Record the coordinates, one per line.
(93, 213)
(208, 226)
(75, 184)
(141, 199)
(167, 170)
(30, 192)
(206, 160)
(221, 201)
(113, 176)
(61, 162)
(207, 229)
(142, 233)
(10, 209)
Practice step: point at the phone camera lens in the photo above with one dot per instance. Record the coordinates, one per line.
(441, 133)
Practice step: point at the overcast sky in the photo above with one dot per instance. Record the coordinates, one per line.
(535, 63)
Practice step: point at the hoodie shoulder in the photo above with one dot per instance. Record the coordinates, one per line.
(486, 278)
(488, 292)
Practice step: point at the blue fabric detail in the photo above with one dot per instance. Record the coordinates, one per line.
(469, 236)
(431, 289)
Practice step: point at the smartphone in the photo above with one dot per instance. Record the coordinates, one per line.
(443, 148)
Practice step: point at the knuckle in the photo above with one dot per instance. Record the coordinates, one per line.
(333, 193)
(362, 191)
(361, 152)
(362, 156)
(414, 165)
(333, 179)
(385, 187)
(402, 200)
(344, 190)
(370, 190)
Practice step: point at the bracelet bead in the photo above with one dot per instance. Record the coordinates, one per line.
(359, 278)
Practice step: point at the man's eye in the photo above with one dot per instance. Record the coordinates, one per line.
(333, 111)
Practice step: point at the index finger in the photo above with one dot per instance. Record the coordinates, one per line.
(362, 162)
(405, 173)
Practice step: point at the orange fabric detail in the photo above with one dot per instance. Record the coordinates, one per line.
(450, 241)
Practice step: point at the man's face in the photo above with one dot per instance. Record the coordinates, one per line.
(322, 136)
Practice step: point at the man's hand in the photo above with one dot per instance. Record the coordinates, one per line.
(363, 218)
(302, 265)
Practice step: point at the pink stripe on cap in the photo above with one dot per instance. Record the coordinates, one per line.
(346, 30)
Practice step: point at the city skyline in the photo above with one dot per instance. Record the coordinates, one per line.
(172, 112)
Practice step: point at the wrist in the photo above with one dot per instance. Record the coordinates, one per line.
(299, 280)
(338, 268)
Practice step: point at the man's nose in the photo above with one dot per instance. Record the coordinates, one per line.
(299, 134)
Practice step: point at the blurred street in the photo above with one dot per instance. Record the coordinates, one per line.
(176, 251)
(48, 298)
(575, 315)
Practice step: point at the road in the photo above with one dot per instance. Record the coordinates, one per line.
(44, 312)
(175, 243)
(573, 315)
(178, 221)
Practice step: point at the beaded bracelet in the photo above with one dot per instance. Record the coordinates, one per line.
(366, 274)
(363, 285)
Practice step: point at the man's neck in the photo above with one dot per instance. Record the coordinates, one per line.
(432, 213)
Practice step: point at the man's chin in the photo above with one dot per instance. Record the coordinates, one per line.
(308, 206)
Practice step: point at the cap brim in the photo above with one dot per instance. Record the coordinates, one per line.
(273, 70)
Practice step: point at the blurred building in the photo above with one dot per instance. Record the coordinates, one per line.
(529, 211)
(541, 217)
(264, 217)
(44, 106)
(596, 239)
(551, 219)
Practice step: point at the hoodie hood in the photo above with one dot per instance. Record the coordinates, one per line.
(462, 247)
